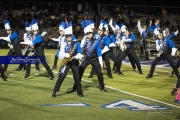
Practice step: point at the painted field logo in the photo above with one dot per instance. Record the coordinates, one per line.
(133, 105)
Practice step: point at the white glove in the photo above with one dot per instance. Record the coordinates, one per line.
(11, 46)
(77, 56)
(161, 45)
(173, 51)
(105, 49)
(67, 55)
(43, 33)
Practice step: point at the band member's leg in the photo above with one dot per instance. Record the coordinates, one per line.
(76, 76)
(2, 73)
(106, 57)
(171, 62)
(43, 61)
(64, 71)
(98, 70)
(155, 61)
(10, 53)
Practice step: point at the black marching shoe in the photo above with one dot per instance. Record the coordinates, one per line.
(54, 67)
(73, 90)
(110, 76)
(173, 92)
(54, 94)
(26, 76)
(120, 73)
(141, 72)
(149, 76)
(90, 76)
(103, 89)
(4, 78)
(80, 95)
(18, 69)
(51, 77)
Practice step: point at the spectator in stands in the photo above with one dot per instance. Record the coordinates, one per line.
(164, 12)
(131, 14)
(145, 10)
(126, 11)
(131, 23)
(168, 22)
(33, 8)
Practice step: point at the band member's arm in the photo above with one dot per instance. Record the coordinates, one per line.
(62, 53)
(106, 47)
(157, 45)
(139, 27)
(113, 41)
(99, 54)
(83, 42)
(171, 44)
(111, 25)
(173, 34)
(43, 33)
(10, 38)
(78, 51)
(38, 39)
(55, 39)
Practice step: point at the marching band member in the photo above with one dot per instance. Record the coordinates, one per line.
(61, 40)
(70, 54)
(143, 30)
(105, 42)
(112, 46)
(117, 31)
(28, 36)
(128, 39)
(36, 43)
(93, 56)
(13, 43)
(166, 49)
(95, 36)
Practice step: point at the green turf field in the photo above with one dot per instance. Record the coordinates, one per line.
(129, 97)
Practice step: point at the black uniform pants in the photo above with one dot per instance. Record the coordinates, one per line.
(42, 59)
(165, 57)
(106, 57)
(130, 59)
(114, 58)
(74, 65)
(2, 71)
(15, 51)
(131, 52)
(95, 64)
(143, 53)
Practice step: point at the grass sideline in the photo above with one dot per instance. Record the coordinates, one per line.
(28, 99)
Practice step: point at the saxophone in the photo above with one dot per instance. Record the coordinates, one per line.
(69, 59)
